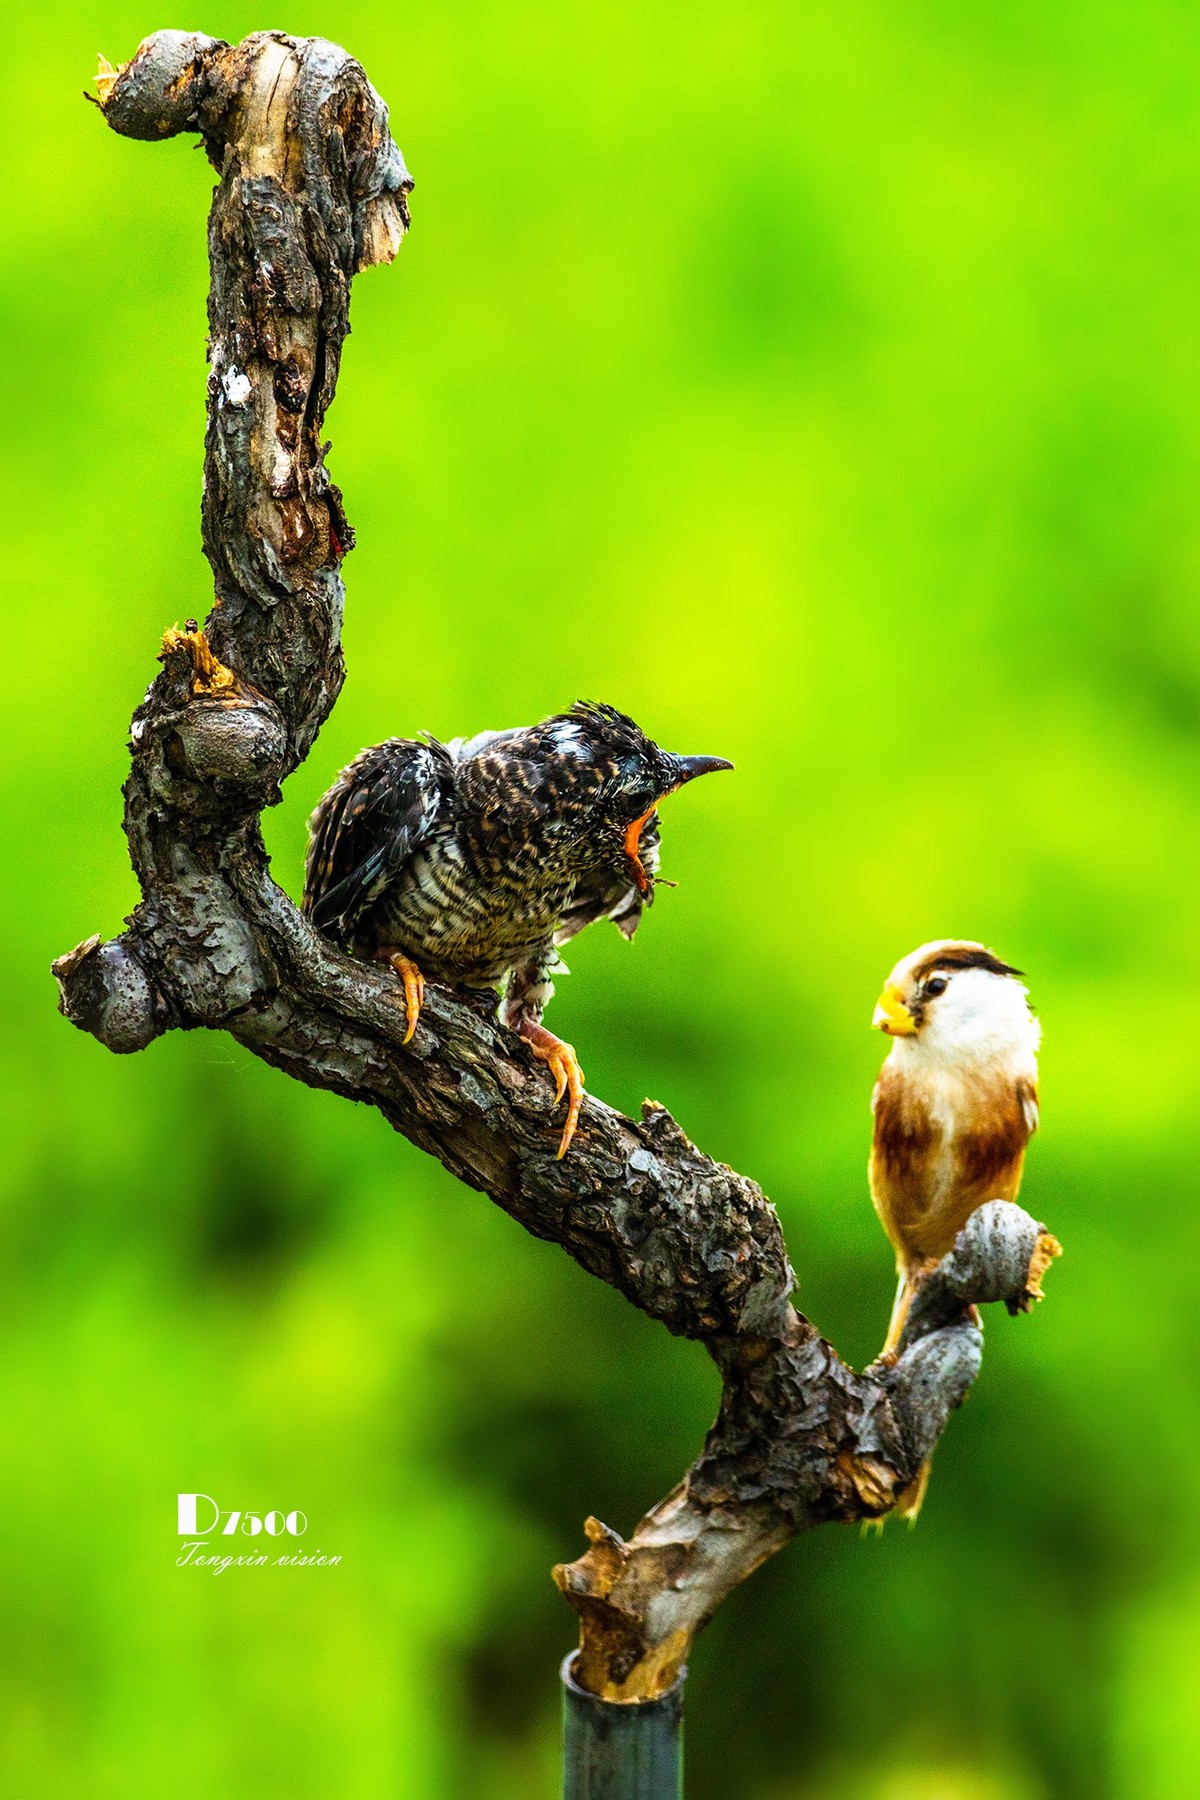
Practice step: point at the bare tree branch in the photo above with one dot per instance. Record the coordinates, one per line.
(312, 190)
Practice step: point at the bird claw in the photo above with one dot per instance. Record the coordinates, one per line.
(414, 987)
(563, 1064)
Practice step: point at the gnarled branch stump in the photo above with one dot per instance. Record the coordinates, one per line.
(312, 190)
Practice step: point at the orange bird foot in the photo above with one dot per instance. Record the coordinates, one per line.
(564, 1066)
(414, 985)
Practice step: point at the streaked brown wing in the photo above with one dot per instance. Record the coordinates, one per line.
(365, 829)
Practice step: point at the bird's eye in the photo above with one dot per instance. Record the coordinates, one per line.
(937, 986)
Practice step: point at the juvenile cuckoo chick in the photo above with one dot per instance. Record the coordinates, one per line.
(955, 1106)
(472, 861)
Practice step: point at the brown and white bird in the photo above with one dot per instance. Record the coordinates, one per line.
(955, 1105)
(473, 861)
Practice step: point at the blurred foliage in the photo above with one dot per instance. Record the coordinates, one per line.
(819, 384)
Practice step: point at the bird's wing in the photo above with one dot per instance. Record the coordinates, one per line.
(1027, 1099)
(366, 827)
(619, 901)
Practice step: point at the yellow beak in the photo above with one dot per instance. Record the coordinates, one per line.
(892, 1016)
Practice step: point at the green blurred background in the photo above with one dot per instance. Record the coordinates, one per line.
(820, 385)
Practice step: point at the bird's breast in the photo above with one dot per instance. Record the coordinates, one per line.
(471, 916)
(943, 1144)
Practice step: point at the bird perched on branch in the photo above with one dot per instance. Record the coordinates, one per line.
(955, 1106)
(472, 861)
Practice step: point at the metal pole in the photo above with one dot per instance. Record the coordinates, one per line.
(621, 1750)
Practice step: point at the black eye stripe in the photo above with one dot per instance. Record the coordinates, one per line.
(972, 959)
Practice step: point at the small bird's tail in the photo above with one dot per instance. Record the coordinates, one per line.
(908, 1504)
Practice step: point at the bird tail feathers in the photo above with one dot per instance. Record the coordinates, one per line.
(909, 1503)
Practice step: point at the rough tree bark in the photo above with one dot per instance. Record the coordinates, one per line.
(312, 190)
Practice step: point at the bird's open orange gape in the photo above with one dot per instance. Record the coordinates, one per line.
(472, 862)
(954, 1108)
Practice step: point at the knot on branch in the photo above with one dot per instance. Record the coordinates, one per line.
(214, 730)
(106, 990)
(162, 88)
(1000, 1254)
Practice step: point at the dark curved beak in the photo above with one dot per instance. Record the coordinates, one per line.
(691, 766)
